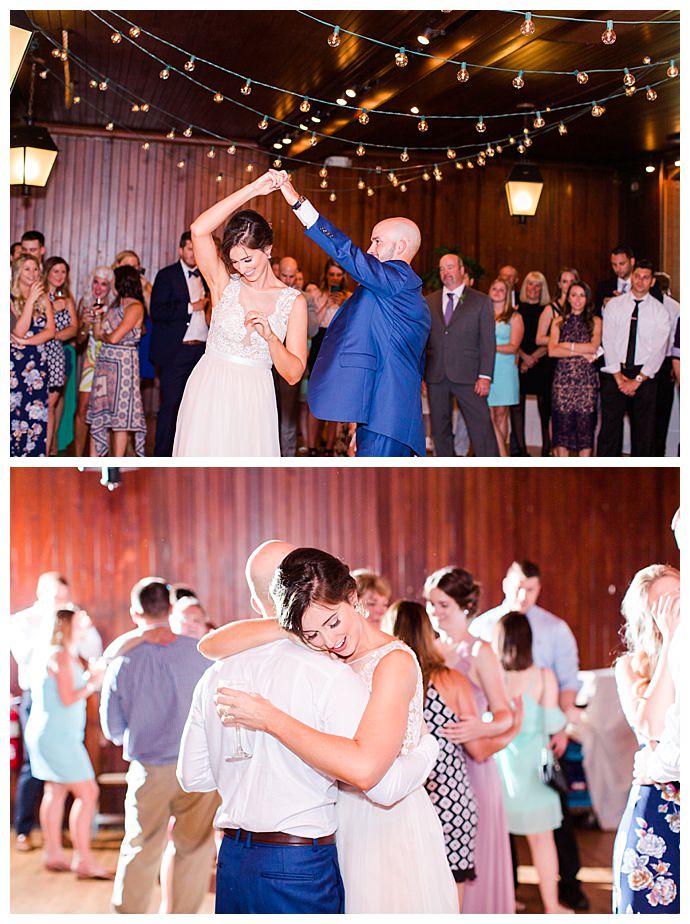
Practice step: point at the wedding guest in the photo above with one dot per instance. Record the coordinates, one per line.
(554, 310)
(452, 596)
(373, 592)
(534, 370)
(32, 328)
(675, 355)
(54, 737)
(96, 299)
(635, 334)
(188, 617)
(34, 243)
(510, 276)
(532, 807)
(650, 826)
(618, 283)
(146, 697)
(15, 251)
(147, 371)
(574, 341)
(287, 395)
(61, 356)
(115, 406)
(299, 279)
(505, 385)
(665, 391)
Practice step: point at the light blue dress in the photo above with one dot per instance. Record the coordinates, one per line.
(531, 805)
(54, 733)
(505, 385)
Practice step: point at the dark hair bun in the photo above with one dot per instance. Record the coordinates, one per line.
(248, 228)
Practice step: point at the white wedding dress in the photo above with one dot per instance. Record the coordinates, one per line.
(393, 860)
(229, 403)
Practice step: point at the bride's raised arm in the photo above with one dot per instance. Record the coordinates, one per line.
(209, 262)
(239, 636)
(361, 761)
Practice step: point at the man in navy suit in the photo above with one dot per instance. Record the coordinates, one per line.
(178, 339)
(369, 368)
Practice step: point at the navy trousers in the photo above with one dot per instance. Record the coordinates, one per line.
(29, 790)
(278, 879)
(173, 378)
(370, 444)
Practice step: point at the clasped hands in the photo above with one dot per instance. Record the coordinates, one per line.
(627, 386)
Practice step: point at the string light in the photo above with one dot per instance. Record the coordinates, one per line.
(403, 187)
(499, 149)
(582, 77)
(332, 197)
(146, 145)
(134, 33)
(360, 150)
(351, 93)
(459, 165)
(527, 27)
(277, 163)
(305, 105)
(651, 94)
(608, 36)
(323, 184)
(470, 165)
(190, 65)
(277, 146)
(218, 97)
(672, 70)
(646, 60)
(164, 73)
(463, 74)
(263, 124)
(518, 82)
(76, 100)
(316, 119)
(520, 148)
(363, 117)
(219, 177)
(423, 125)
(597, 110)
(539, 121)
(527, 141)
(562, 128)
(334, 38)
(450, 154)
(180, 164)
(361, 184)
(110, 126)
(414, 110)
(404, 156)
(401, 58)
(628, 78)
(247, 88)
(313, 141)
(171, 135)
(481, 124)
(55, 52)
(630, 91)
(188, 132)
(481, 160)
(323, 172)
(135, 107)
(145, 107)
(370, 191)
(93, 83)
(249, 168)
(43, 74)
(116, 38)
(232, 149)
(425, 176)
(490, 152)
(103, 85)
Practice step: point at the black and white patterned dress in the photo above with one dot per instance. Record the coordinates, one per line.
(57, 369)
(451, 792)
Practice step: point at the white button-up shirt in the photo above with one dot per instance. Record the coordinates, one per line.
(197, 328)
(275, 790)
(654, 333)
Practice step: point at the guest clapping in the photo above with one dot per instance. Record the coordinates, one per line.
(505, 385)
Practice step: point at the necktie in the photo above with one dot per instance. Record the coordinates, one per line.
(448, 313)
(630, 354)
(194, 272)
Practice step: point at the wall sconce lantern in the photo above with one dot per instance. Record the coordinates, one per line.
(523, 191)
(32, 155)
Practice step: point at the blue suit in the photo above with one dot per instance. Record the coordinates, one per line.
(369, 368)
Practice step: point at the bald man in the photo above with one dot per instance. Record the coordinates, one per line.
(369, 368)
(278, 814)
(287, 395)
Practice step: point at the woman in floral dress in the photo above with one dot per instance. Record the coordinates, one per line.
(32, 325)
(646, 854)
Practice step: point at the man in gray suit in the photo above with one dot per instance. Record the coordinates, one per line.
(460, 359)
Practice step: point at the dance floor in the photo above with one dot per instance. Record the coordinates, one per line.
(35, 890)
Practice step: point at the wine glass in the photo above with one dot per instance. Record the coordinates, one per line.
(239, 752)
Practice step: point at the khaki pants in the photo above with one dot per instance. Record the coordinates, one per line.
(153, 795)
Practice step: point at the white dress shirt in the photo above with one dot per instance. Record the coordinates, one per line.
(662, 764)
(275, 790)
(197, 328)
(307, 214)
(673, 308)
(654, 331)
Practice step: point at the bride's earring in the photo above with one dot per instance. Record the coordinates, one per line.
(359, 608)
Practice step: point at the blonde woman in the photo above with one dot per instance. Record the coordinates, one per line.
(93, 303)
(32, 325)
(505, 385)
(534, 372)
(646, 858)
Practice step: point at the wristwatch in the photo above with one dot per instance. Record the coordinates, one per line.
(639, 378)
(300, 200)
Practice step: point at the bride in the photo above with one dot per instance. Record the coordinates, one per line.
(392, 859)
(229, 404)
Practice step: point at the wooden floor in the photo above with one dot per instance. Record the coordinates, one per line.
(33, 890)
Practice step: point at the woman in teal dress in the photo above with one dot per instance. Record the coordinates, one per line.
(505, 385)
(532, 807)
(54, 736)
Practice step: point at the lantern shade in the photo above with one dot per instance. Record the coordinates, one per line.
(21, 31)
(32, 155)
(523, 190)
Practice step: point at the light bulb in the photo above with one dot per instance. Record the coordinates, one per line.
(582, 77)
(527, 26)
(180, 164)
(521, 148)
(116, 38)
(323, 172)
(164, 73)
(463, 75)
(218, 97)
(391, 176)
(146, 145)
(628, 78)
(361, 184)
(232, 149)
(135, 107)
(597, 110)
(247, 88)
(334, 38)
(423, 125)
(481, 124)
(539, 121)
(171, 134)
(219, 177)
(332, 197)
(43, 74)
(562, 129)
(76, 100)
(630, 91)
(263, 124)
(63, 55)
(401, 58)
(470, 165)
(110, 126)
(490, 151)
(145, 107)
(313, 141)
(404, 156)
(518, 82)
(608, 36)
(188, 132)
(305, 105)
(323, 184)
(352, 93)
(249, 168)
(103, 85)
(481, 160)
(360, 150)
(450, 154)
(403, 187)
(672, 70)
(426, 176)
(55, 52)
(527, 141)
(190, 65)
(459, 165)
(363, 117)
(499, 149)
(134, 32)
(93, 83)
(414, 110)
(651, 94)
(646, 60)
(370, 191)
(277, 163)
(278, 145)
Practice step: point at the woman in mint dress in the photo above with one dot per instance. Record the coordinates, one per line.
(54, 736)
(533, 808)
(505, 384)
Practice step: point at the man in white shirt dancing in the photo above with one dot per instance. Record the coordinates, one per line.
(273, 802)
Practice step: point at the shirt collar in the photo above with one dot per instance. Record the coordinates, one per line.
(185, 268)
(456, 293)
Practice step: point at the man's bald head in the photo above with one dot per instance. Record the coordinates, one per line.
(287, 270)
(260, 568)
(509, 274)
(395, 239)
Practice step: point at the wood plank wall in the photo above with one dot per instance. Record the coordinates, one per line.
(107, 194)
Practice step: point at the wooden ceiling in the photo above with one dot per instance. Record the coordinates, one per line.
(289, 50)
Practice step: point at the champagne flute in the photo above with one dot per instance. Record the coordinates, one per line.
(239, 752)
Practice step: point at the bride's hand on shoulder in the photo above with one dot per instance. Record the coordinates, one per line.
(255, 320)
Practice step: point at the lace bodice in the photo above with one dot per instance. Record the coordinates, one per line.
(365, 667)
(228, 336)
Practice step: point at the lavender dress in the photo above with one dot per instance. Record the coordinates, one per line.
(492, 892)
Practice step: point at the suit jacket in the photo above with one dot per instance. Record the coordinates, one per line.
(467, 347)
(607, 289)
(369, 367)
(169, 301)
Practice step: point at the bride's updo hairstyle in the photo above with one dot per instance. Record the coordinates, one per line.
(457, 584)
(305, 577)
(248, 228)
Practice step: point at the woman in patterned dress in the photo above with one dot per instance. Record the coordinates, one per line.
(229, 403)
(574, 340)
(56, 283)
(646, 854)
(98, 296)
(115, 405)
(32, 326)
(392, 858)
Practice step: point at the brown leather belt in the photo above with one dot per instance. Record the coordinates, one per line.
(276, 837)
(192, 342)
